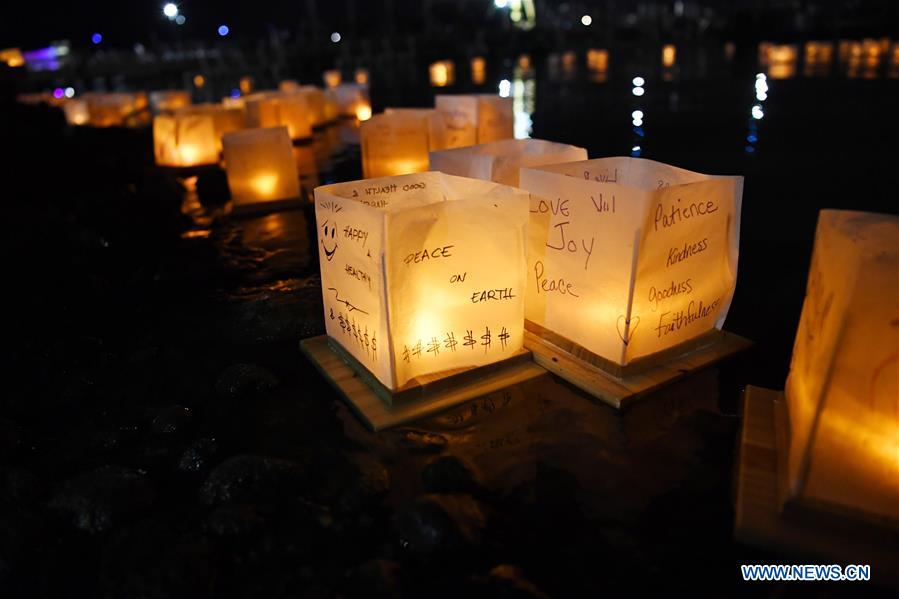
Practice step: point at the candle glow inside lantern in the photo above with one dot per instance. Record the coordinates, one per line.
(111, 109)
(76, 111)
(500, 161)
(394, 143)
(332, 78)
(473, 119)
(422, 273)
(260, 166)
(842, 393)
(629, 257)
(224, 119)
(274, 109)
(352, 100)
(185, 140)
(169, 100)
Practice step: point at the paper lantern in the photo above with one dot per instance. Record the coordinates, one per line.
(274, 109)
(12, 57)
(224, 119)
(842, 393)
(169, 100)
(332, 78)
(630, 257)
(260, 166)
(361, 76)
(478, 70)
(500, 161)
(442, 73)
(246, 85)
(422, 273)
(478, 118)
(184, 140)
(315, 102)
(289, 86)
(352, 99)
(394, 143)
(111, 109)
(76, 111)
(669, 55)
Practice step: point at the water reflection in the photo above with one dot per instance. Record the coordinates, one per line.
(478, 70)
(524, 92)
(818, 59)
(597, 65)
(778, 59)
(637, 116)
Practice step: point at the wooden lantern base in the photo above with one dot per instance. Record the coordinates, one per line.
(619, 386)
(381, 408)
(764, 520)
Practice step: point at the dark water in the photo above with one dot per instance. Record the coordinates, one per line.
(161, 435)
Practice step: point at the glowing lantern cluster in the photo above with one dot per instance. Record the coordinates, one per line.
(224, 119)
(274, 109)
(473, 119)
(77, 111)
(422, 273)
(12, 57)
(185, 140)
(169, 100)
(630, 257)
(501, 161)
(780, 59)
(260, 166)
(113, 109)
(352, 100)
(843, 389)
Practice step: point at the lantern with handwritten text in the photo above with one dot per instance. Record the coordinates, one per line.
(500, 161)
(422, 273)
(842, 393)
(474, 119)
(630, 257)
(397, 142)
(184, 140)
(260, 166)
(274, 109)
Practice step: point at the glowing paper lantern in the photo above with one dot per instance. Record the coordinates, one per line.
(111, 109)
(630, 257)
(273, 109)
(169, 100)
(500, 161)
(842, 393)
(290, 86)
(394, 144)
(260, 166)
(351, 98)
(76, 111)
(184, 140)
(224, 120)
(332, 78)
(478, 70)
(478, 118)
(434, 123)
(669, 55)
(361, 76)
(12, 57)
(442, 73)
(406, 285)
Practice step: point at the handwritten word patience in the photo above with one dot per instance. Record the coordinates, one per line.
(670, 322)
(680, 213)
(425, 255)
(492, 294)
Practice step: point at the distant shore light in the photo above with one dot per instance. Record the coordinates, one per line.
(586, 20)
(223, 30)
(96, 38)
(170, 10)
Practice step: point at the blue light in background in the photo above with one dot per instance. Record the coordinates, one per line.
(223, 30)
(96, 38)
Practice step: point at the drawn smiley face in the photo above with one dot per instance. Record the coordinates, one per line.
(329, 231)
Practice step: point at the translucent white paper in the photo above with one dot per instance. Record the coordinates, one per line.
(500, 161)
(843, 388)
(185, 140)
(274, 109)
(478, 118)
(422, 273)
(394, 143)
(629, 257)
(260, 166)
(170, 100)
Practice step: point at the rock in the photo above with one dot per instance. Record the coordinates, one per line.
(19, 486)
(212, 188)
(506, 581)
(234, 522)
(249, 478)
(423, 441)
(375, 579)
(372, 481)
(244, 380)
(99, 500)
(171, 420)
(449, 474)
(441, 524)
(198, 456)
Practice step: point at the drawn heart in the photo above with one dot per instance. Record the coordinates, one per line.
(634, 322)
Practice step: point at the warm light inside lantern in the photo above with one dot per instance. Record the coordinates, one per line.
(394, 144)
(779, 58)
(669, 55)
(183, 140)
(442, 73)
(260, 166)
(478, 70)
(361, 76)
(332, 78)
(12, 57)
(363, 112)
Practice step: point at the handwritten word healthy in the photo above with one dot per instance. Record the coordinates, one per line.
(559, 285)
(679, 254)
(492, 294)
(358, 274)
(670, 322)
(678, 213)
(355, 234)
(425, 255)
(675, 288)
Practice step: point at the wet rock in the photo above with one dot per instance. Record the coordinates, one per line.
(172, 420)
(198, 457)
(423, 441)
(249, 478)
(441, 524)
(234, 522)
(372, 478)
(449, 474)
(99, 500)
(278, 315)
(375, 579)
(506, 581)
(244, 380)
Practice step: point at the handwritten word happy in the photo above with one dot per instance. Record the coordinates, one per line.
(678, 213)
(355, 234)
(425, 255)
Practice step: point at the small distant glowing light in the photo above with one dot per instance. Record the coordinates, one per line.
(761, 76)
(235, 93)
(750, 149)
(335, 37)
(586, 20)
(501, 3)
(246, 85)
(752, 138)
(224, 30)
(757, 112)
(636, 150)
(638, 81)
(58, 92)
(70, 92)
(170, 10)
(761, 85)
(505, 88)
(363, 112)
(638, 91)
(442, 73)
(669, 55)
(180, 20)
(199, 80)
(637, 122)
(637, 114)
(96, 39)
(761, 96)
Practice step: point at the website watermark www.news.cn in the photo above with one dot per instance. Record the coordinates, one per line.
(805, 572)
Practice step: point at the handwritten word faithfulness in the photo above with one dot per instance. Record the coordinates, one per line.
(670, 322)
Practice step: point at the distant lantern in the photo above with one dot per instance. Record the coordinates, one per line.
(315, 101)
(12, 57)
(290, 86)
(225, 119)
(501, 161)
(351, 98)
(76, 111)
(780, 59)
(395, 143)
(478, 70)
(184, 140)
(842, 393)
(169, 100)
(112, 109)
(630, 257)
(332, 78)
(478, 118)
(273, 109)
(260, 166)
(422, 273)
(246, 85)
(361, 76)
(442, 73)
(669, 55)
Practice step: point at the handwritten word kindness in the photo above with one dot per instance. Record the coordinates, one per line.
(679, 213)
(670, 322)
(679, 254)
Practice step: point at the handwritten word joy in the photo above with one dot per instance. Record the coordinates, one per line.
(570, 245)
